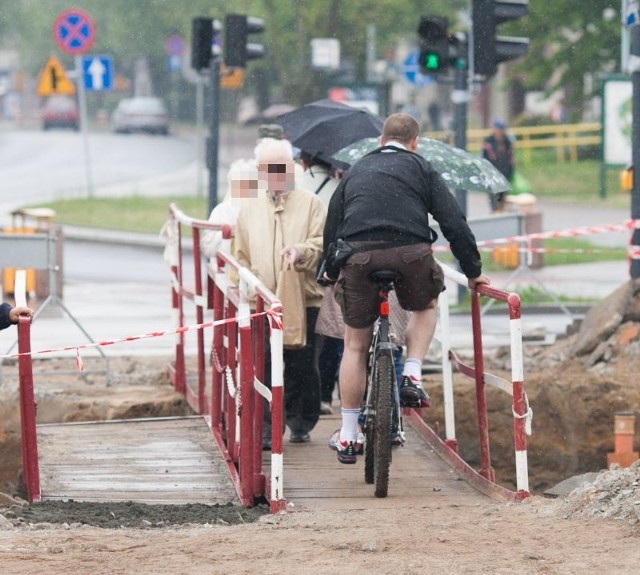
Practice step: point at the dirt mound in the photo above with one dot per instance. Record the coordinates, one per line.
(614, 493)
(575, 388)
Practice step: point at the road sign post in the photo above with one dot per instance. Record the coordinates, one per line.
(74, 32)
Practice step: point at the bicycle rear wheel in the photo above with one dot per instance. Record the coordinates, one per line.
(378, 447)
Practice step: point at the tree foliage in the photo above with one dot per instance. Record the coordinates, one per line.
(569, 42)
(569, 39)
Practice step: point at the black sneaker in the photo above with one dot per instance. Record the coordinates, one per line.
(412, 394)
(346, 450)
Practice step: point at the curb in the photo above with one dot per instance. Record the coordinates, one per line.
(116, 237)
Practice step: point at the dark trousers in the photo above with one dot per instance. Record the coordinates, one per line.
(328, 355)
(301, 383)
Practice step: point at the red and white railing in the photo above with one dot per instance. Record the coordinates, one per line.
(230, 388)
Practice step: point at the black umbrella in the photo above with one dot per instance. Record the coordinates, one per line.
(324, 127)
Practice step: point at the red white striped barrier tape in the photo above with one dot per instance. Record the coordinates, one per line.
(533, 250)
(566, 233)
(271, 315)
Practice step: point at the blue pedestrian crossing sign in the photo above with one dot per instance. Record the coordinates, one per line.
(97, 73)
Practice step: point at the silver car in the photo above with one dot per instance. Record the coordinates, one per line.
(140, 115)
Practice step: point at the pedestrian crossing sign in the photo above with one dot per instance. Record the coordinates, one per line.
(54, 80)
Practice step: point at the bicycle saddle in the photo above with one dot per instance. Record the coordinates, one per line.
(384, 276)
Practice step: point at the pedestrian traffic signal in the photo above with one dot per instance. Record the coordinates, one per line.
(488, 49)
(434, 44)
(236, 48)
(205, 41)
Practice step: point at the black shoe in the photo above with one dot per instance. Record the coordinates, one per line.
(347, 452)
(299, 437)
(412, 393)
(266, 444)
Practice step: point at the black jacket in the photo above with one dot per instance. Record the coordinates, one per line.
(388, 196)
(5, 322)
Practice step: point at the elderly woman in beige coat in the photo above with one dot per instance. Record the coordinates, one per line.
(286, 230)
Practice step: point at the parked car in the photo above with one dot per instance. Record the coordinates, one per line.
(140, 115)
(60, 112)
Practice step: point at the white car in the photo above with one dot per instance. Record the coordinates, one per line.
(140, 115)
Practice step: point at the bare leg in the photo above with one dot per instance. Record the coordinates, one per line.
(353, 367)
(420, 330)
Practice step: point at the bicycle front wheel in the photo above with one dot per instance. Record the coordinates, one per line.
(382, 382)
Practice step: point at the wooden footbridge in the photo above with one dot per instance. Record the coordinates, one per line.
(216, 456)
(175, 461)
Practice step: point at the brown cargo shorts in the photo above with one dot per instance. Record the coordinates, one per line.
(421, 281)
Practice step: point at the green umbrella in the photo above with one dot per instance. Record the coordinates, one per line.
(459, 169)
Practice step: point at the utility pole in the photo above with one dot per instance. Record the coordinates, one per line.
(206, 55)
(460, 98)
(634, 67)
(214, 131)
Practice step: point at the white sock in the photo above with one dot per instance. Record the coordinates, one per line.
(349, 429)
(413, 369)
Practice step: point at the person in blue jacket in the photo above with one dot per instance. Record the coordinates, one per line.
(10, 315)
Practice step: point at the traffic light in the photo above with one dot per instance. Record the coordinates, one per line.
(434, 44)
(488, 49)
(205, 41)
(236, 48)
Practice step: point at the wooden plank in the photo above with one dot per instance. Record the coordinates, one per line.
(314, 479)
(168, 460)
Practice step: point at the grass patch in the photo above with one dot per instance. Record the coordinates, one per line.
(562, 252)
(575, 183)
(530, 296)
(131, 214)
(578, 251)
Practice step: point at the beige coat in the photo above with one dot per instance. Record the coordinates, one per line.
(265, 228)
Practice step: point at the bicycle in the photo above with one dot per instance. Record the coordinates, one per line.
(382, 415)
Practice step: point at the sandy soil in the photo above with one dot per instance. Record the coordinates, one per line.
(574, 396)
(527, 538)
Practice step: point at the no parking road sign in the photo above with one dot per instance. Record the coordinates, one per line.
(74, 31)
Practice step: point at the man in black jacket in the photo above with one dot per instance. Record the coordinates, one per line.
(381, 208)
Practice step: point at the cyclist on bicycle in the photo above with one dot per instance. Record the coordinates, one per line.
(381, 209)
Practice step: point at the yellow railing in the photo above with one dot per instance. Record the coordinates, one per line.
(565, 138)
